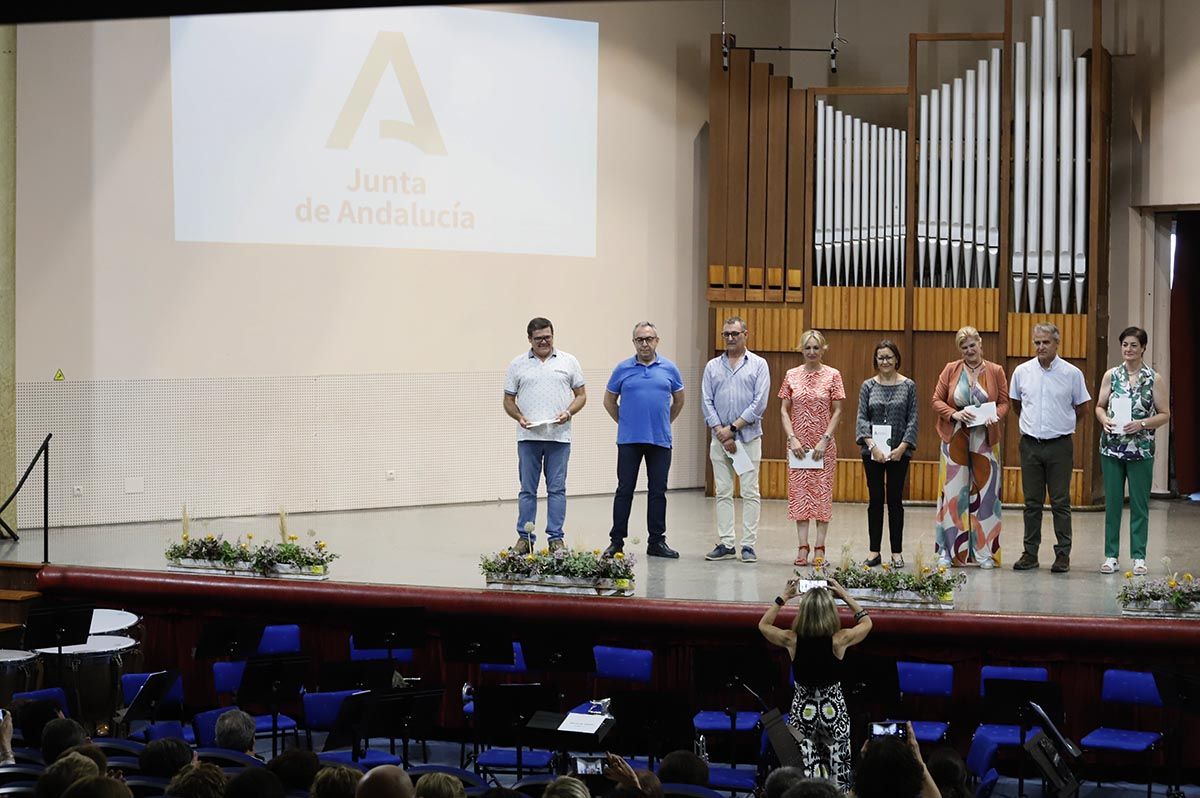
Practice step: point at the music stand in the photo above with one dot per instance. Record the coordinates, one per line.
(543, 731)
(1180, 692)
(148, 704)
(782, 739)
(1015, 698)
(350, 726)
(269, 681)
(228, 638)
(56, 627)
(1054, 755)
(401, 627)
(503, 710)
(733, 675)
(395, 711)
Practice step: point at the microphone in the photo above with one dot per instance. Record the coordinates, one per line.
(833, 51)
(724, 53)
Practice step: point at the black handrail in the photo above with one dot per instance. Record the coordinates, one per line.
(43, 452)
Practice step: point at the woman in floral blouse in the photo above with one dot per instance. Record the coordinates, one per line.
(1127, 449)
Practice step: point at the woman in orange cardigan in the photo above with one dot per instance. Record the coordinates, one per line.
(967, 527)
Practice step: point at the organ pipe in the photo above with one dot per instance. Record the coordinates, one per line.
(1018, 236)
(1066, 143)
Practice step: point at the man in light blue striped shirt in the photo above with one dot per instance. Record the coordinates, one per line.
(734, 398)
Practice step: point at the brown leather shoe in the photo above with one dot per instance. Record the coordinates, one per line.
(1062, 564)
(1027, 563)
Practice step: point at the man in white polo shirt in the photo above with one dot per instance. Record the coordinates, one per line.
(1049, 395)
(543, 389)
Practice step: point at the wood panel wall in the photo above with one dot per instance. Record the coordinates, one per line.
(760, 236)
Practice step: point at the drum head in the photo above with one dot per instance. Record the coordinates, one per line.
(107, 622)
(12, 655)
(96, 645)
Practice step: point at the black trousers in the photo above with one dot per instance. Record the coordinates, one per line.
(1046, 468)
(629, 463)
(885, 481)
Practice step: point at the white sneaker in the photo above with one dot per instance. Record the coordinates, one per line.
(944, 562)
(1139, 568)
(1110, 566)
(987, 564)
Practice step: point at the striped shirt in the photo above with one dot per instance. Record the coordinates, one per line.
(728, 394)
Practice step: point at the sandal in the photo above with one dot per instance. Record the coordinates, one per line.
(801, 556)
(818, 559)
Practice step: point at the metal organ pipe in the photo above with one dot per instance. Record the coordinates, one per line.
(1080, 259)
(1018, 217)
(1033, 238)
(839, 230)
(1066, 143)
(944, 189)
(968, 151)
(922, 186)
(935, 125)
(1049, 149)
(993, 169)
(956, 178)
(819, 198)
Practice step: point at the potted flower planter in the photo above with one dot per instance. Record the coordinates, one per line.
(905, 599)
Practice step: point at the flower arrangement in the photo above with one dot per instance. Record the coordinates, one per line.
(1178, 592)
(933, 583)
(242, 555)
(572, 563)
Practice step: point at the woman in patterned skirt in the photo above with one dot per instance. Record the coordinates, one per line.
(967, 527)
(816, 644)
(1127, 450)
(812, 397)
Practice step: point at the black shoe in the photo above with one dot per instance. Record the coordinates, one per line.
(1027, 563)
(1062, 564)
(661, 549)
(612, 549)
(873, 562)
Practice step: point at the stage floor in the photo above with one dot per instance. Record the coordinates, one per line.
(440, 547)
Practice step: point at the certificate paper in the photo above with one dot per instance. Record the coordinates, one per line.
(742, 463)
(882, 435)
(1122, 410)
(579, 722)
(806, 461)
(983, 413)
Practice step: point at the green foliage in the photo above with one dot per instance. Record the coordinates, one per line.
(574, 563)
(930, 583)
(1180, 593)
(240, 555)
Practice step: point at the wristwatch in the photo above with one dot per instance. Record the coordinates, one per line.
(1143, 423)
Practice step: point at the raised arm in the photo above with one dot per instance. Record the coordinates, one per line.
(784, 638)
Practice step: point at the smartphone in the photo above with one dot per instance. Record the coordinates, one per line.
(589, 766)
(805, 585)
(889, 729)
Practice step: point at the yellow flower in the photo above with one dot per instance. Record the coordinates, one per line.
(293, 538)
(596, 552)
(1187, 577)
(186, 537)
(818, 561)
(620, 555)
(1171, 583)
(544, 552)
(941, 569)
(1129, 574)
(529, 557)
(867, 568)
(886, 566)
(926, 570)
(244, 545)
(209, 537)
(321, 545)
(249, 536)
(503, 553)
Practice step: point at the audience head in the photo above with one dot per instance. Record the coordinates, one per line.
(337, 781)
(949, 773)
(235, 731)
(295, 768)
(816, 614)
(198, 780)
(70, 768)
(59, 735)
(385, 781)
(683, 767)
(254, 782)
(439, 785)
(165, 757)
(813, 788)
(98, 787)
(780, 780)
(888, 768)
(566, 787)
(91, 752)
(31, 718)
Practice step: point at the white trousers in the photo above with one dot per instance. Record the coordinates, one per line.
(723, 476)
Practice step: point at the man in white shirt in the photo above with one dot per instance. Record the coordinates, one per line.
(543, 389)
(1048, 395)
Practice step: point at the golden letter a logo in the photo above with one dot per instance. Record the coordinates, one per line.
(389, 49)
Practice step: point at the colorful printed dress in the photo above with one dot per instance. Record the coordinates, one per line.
(812, 393)
(1140, 390)
(967, 526)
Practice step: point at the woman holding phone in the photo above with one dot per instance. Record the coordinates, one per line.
(816, 644)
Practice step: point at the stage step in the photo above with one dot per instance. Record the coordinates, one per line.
(19, 575)
(14, 605)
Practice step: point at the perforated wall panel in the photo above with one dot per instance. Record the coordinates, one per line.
(244, 446)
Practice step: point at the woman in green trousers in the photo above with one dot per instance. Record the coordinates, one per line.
(1131, 405)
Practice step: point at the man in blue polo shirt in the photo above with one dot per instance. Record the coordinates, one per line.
(644, 395)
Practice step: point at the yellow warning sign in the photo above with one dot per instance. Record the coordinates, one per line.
(59, 376)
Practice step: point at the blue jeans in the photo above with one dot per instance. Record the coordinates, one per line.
(532, 457)
(629, 463)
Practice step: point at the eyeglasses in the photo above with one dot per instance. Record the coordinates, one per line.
(731, 334)
(541, 339)
(645, 340)
(885, 358)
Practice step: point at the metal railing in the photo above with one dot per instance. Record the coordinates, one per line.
(43, 452)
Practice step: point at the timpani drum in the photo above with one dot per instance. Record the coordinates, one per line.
(18, 673)
(91, 674)
(114, 622)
